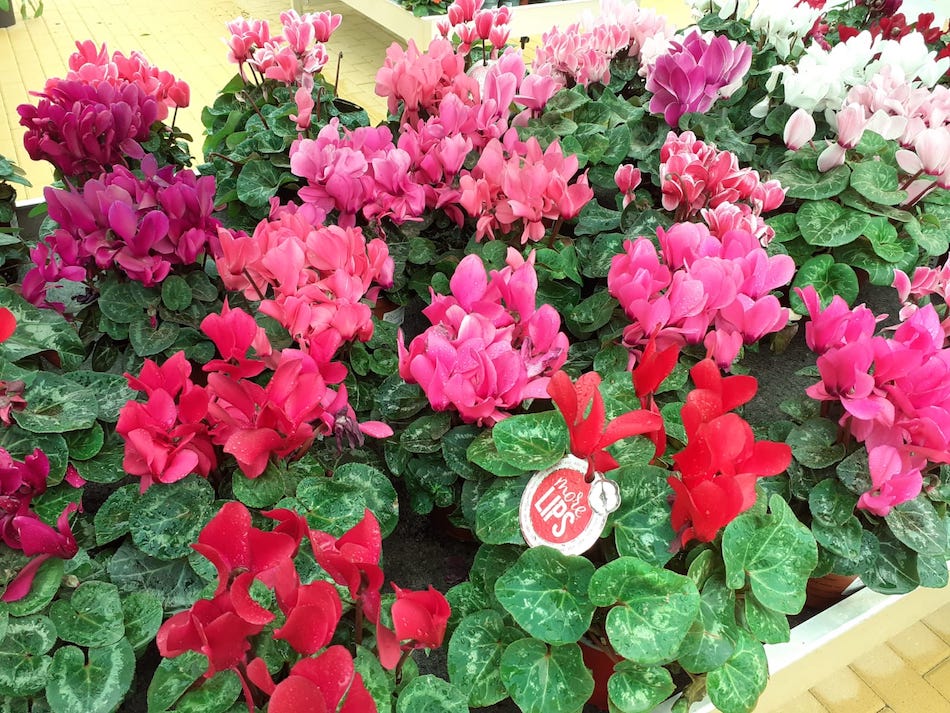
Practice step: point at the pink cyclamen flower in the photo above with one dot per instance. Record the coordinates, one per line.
(489, 347)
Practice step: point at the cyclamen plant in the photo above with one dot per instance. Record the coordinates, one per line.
(106, 111)
(249, 562)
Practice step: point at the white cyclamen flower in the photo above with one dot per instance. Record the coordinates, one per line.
(782, 25)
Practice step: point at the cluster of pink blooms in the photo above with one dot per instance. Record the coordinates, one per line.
(694, 72)
(173, 433)
(139, 226)
(697, 178)
(419, 81)
(926, 283)
(893, 390)
(291, 58)
(361, 171)
(312, 280)
(21, 529)
(286, 58)
(433, 85)
(490, 346)
(515, 181)
(94, 66)
(100, 113)
(582, 52)
(700, 289)
(221, 627)
(470, 23)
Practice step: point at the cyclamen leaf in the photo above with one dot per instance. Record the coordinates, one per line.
(337, 503)
(431, 694)
(827, 224)
(99, 684)
(546, 679)
(24, 670)
(533, 441)
(632, 689)
(56, 405)
(654, 608)
(735, 687)
(546, 593)
(167, 519)
(91, 617)
(474, 656)
(775, 552)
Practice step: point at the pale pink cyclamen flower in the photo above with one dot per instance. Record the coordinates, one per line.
(799, 129)
(489, 347)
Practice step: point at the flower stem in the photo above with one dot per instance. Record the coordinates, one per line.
(336, 82)
(911, 179)
(253, 284)
(402, 661)
(358, 622)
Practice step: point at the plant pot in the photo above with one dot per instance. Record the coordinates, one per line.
(601, 667)
(345, 106)
(823, 592)
(8, 16)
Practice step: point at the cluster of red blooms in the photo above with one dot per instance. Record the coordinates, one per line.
(895, 26)
(716, 471)
(174, 432)
(222, 627)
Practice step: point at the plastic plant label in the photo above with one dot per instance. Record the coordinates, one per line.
(561, 510)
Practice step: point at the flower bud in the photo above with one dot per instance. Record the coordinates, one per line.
(799, 130)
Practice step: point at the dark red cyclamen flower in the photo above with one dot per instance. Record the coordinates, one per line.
(419, 620)
(353, 561)
(591, 435)
(315, 685)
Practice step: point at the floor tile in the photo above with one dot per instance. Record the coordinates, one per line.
(898, 685)
(845, 692)
(939, 678)
(920, 647)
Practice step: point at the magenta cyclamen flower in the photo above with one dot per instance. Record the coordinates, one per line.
(140, 226)
(93, 65)
(21, 528)
(83, 129)
(489, 347)
(694, 73)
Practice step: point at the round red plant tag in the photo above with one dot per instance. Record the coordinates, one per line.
(557, 508)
